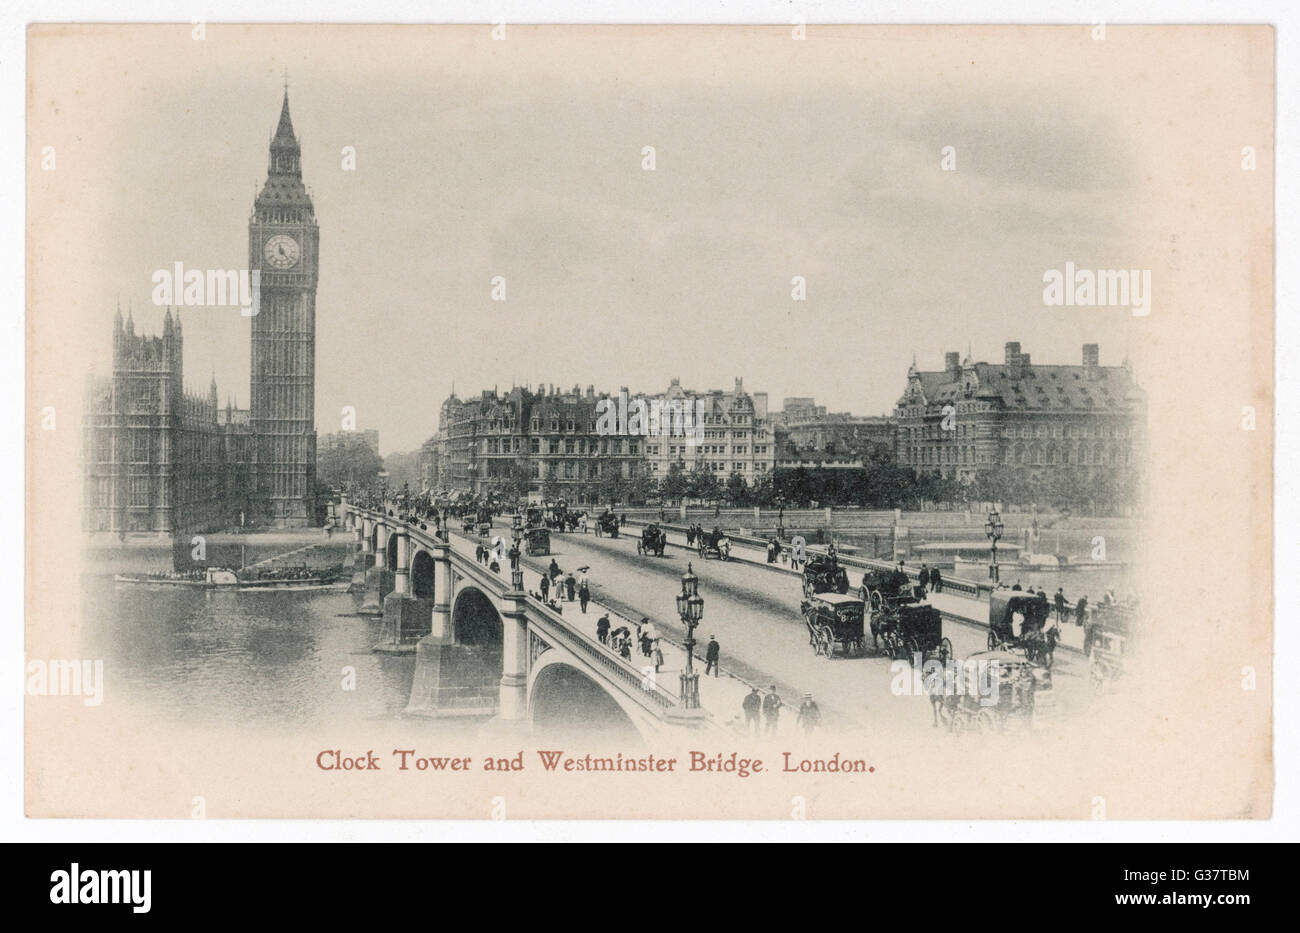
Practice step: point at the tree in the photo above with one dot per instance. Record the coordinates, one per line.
(640, 488)
(675, 484)
(351, 461)
(737, 489)
(702, 484)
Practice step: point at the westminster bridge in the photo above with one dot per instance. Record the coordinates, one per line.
(484, 645)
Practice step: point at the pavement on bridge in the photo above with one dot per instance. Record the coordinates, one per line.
(721, 695)
(754, 611)
(972, 609)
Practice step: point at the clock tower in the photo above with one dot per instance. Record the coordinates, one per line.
(283, 247)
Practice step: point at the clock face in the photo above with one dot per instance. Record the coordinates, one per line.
(281, 251)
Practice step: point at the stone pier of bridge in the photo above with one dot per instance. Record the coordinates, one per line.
(482, 648)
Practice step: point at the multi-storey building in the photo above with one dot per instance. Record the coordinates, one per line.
(370, 438)
(543, 443)
(732, 434)
(972, 417)
(803, 425)
(156, 458)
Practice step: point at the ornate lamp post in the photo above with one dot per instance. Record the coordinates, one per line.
(993, 531)
(690, 606)
(516, 566)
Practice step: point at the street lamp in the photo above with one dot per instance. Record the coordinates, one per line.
(993, 531)
(690, 607)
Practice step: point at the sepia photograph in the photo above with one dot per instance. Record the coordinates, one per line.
(678, 422)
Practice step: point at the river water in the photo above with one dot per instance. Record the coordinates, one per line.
(271, 660)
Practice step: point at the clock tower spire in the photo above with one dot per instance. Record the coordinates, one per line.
(283, 247)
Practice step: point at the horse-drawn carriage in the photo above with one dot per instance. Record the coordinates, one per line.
(823, 574)
(908, 630)
(1018, 621)
(607, 523)
(537, 540)
(713, 543)
(834, 619)
(998, 689)
(1105, 639)
(484, 521)
(886, 589)
(559, 518)
(653, 540)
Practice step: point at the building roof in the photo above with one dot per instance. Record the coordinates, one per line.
(1039, 388)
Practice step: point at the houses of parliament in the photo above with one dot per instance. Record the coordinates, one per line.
(159, 459)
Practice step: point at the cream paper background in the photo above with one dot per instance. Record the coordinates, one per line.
(1184, 740)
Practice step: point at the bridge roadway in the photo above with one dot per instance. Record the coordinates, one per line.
(753, 609)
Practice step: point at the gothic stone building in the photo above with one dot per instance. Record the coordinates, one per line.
(158, 460)
(974, 417)
(283, 247)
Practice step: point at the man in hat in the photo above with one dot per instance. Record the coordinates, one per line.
(809, 714)
(751, 705)
(771, 711)
(602, 629)
(711, 656)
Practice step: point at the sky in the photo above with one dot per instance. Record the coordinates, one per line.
(523, 159)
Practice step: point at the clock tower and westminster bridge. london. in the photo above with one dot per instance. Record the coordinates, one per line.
(158, 459)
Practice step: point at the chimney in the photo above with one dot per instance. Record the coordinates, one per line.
(1013, 354)
(1091, 356)
(591, 391)
(952, 364)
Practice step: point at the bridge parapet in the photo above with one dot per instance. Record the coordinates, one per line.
(533, 636)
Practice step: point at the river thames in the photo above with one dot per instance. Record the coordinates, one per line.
(268, 660)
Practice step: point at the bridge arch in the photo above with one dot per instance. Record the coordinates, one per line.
(475, 619)
(565, 702)
(422, 574)
(390, 552)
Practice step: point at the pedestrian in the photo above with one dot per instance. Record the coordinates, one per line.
(651, 635)
(1060, 604)
(554, 570)
(936, 581)
(602, 629)
(1017, 586)
(771, 711)
(584, 595)
(809, 714)
(658, 656)
(625, 650)
(1081, 610)
(711, 656)
(751, 706)
(771, 551)
(514, 556)
(546, 587)
(924, 579)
